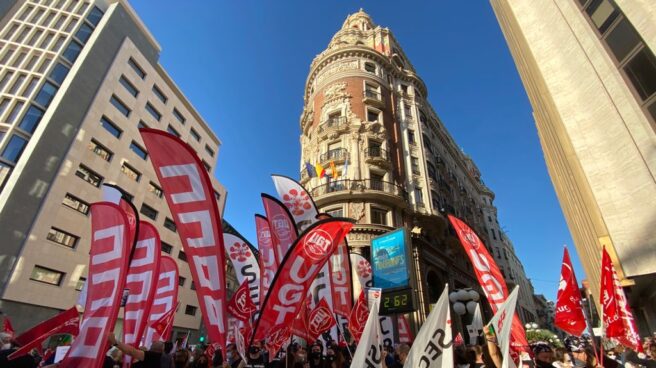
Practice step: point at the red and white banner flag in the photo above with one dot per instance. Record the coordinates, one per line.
(405, 334)
(569, 313)
(340, 272)
(190, 196)
(268, 263)
(358, 316)
(165, 301)
(241, 305)
(244, 260)
(8, 328)
(490, 278)
(108, 269)
(115, 194)
(319, 320)
(299, 326)
(164, 324)
(282, 226)
(458, 340)
(502, 323)
(66, 322)
(369, 352)
(433, 347)
(142, 284)
(308, 254)
(618, 320)
(297, 200)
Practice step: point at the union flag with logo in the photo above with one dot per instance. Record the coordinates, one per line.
(569, 313)
(241, 305)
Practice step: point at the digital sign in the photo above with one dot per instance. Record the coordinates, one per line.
(396, 301)
(389, 256)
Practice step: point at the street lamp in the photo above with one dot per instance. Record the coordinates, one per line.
(531, 326)
(465, 302)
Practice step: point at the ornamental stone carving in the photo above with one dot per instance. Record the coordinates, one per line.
(336, 68)
(356, 211)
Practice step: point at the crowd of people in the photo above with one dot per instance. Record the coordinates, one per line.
(576, 353)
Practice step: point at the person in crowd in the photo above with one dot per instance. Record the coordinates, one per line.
(334, 357)
(460, 357)
(543, 355)
(576, 348)
(153, 358)
(255, 356)
(233, 359)
(181, 358)
(474, 356)
(562, 359)
(491, 355)
(202, 361)
(316, 356)
(389, 357)
(113, 358)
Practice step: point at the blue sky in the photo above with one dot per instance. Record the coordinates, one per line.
(243, 64)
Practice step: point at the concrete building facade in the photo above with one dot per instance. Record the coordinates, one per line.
(77, 80)
(589, 70)
(366, 112)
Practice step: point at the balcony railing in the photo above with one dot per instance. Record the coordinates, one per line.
(359, 185)
(377, 152)
(333, 122)
(334, 154)
(373, 94)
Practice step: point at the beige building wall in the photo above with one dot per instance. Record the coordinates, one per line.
(596, 132)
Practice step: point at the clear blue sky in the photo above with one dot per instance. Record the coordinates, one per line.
(243, 64)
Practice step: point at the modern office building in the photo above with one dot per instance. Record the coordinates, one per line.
(77, 80)
(589, 70)
(366, 112)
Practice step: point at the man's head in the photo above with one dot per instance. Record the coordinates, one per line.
(255, 351)
(543, 352)
(181, 358)
(157, 347)
(403, 350)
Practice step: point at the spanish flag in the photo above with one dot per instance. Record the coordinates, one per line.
(321, 172)
(333, 169)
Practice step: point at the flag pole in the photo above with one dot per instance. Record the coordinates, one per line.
(339, 330)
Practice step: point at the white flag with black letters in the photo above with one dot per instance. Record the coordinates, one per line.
(369, 352)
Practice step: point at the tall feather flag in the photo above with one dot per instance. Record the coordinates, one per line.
(569, 313)
(474, 329)
(433, 346)
(369, 352)
(502, 325)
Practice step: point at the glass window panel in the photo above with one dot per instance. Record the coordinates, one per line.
(30, 65)
(137, 69)
(120, 106)
(76, 203)
(622, 39)
(14, 112)
(209, 150)
(602, 13)
(153, 112)
(156, 190)
(94, 16)
(138, 150)
(19, 59)
(46, 275)
(148, 211)
(190, 310)
(166, 248)
(130, 172)
(4, 103)
(46, 41)
(58, 73)
(641, 70)
(89, 176)
(6, 56)
(44, 65)
(17, 84)
(128, 86)
(110, 127)
(21, 36)
(30, 87)
(80, 283)
(195, 134)
(652, 110)
(179, 116)
(11, 31)
(170, 224)
(5, 171)
(25, 13)
(62, 237)
(100, 150)
(31, 119)
(84, 33)
(46, 94)
(14, 148)
(58, 44)
(37, 34)
(172, 130)
(72, 51)
(158, 92)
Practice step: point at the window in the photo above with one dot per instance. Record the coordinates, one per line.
(622, 39)
(602, 13)
(30, 87)
(167, 248)
(217, 196)
(404, 89)
(84, 33)
(370, 67)
(641, 70)
(46, 94)
(372, 115)
(371, 91)
(76, 203)
(170, 224)
(89, 176)
(100, 150)
(31, 119)
(110, 127)
(148, 211)
(80, 283)
(120, 106)
(17, 84)
(153, 112)
(5, 171)
(172, 130)
(158, 92)
(4, 103)
(209, 150)
(190, 310)
(415, 165)
(182, 256)
(14, 148)
(47, 275)
(141, 152)
(62, 237)
(153, 188)
(72, 51)
(181, 281)
(30, 64)
(13, 114)
(192, 286)
(207, 166)
(419, 196)
(336, 212)
(378, 216)
(195, 134)
(411, 136)
(94, 16)
(5, 78)
(179, 116)
(137, 69)
(128, 86)
(130, 172)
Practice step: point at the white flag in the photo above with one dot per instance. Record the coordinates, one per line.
(474, 329)
(502, 323)
(433, 346)
(369, 352)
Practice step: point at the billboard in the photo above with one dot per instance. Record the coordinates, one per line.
(389, 260)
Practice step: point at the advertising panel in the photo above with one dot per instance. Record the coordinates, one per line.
(389, 260)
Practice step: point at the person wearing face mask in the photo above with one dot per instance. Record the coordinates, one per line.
(233, 359)
(577, 349)
(543, 354)
(255, 356)
(316, 357)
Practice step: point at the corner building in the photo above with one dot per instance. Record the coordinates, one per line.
(589, 71)
(77, 80)
(366, 111)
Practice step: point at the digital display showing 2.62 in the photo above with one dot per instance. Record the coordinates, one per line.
(396, 301)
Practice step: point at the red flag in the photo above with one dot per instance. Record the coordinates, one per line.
(319, 320)
(241, 306)
(340, 272)
(165, 300)
(281, 223)
(115, 194)
(358, 316)
(458, 341)
(8, 328)
(164, 323)
(209, 352)
(617, 317)
(405, 334)
(66, 322)
(490, 278)
(268, 263)
(569, 313)
(299, 325)
(108, 267)
(277, 339)
(189, 194)
(308, 254)
(141, 283)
